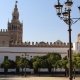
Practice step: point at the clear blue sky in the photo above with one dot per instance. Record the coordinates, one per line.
(40, 22)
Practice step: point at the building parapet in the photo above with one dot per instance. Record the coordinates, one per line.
(3, 30)
(39, 44)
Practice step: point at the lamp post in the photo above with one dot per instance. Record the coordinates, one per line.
(66, 17)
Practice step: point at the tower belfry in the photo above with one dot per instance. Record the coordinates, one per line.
(15, 14)
(15, 27)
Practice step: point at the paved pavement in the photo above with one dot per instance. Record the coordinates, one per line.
(37, 78)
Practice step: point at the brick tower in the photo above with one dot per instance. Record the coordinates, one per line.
(15, 27)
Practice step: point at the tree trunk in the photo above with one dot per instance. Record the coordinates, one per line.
(17, 70)
(66, 72)
(49, 69)
(5, 70)
(35, 70)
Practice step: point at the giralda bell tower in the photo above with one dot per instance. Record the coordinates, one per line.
(15, 27)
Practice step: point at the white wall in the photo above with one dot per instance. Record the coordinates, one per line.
(30, 52)
(76, 47)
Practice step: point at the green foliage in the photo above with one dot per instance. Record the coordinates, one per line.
(36, 64)
(12, 64)
(5, 63)
(22, 62)
(52, 59)
(65, 62)
(59, 64)
(76, 60)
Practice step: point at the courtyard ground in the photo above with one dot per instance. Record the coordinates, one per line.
(36, 78)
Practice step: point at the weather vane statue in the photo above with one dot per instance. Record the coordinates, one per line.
(16, 2)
